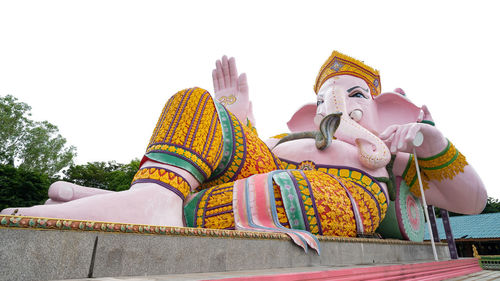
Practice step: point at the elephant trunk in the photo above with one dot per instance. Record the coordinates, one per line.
(373, 152)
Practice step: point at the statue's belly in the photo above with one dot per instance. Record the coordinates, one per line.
(337, 154)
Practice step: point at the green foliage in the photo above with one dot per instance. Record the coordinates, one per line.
(492, 206)
(105, 175)
(30, 145)
(22, 188)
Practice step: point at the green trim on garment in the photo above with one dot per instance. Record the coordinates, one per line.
(227, 138)
(290, 200)
(190, 209)
(177, 162)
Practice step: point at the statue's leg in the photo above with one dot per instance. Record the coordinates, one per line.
(144, 204)
(185, 147)
(195, 141)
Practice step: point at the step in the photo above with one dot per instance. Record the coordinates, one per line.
(440, 270)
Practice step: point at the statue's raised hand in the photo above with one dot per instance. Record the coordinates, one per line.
(231, 90)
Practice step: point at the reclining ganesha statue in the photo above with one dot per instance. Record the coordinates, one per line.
(347, 163)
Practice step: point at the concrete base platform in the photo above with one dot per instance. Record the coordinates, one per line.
(47, 249)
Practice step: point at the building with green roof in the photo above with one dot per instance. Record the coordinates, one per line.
(482, 230)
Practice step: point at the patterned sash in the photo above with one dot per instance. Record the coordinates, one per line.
(255, 210)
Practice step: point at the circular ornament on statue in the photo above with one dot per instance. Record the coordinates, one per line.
(409, 213)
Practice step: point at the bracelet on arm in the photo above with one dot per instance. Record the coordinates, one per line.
(444, 165)
(411, 178)
(428, 122)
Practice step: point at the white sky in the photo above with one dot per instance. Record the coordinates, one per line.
(102, 70)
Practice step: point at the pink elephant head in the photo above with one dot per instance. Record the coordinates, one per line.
(364, 116)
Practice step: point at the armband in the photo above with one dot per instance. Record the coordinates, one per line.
(444, 165)
(428, 122)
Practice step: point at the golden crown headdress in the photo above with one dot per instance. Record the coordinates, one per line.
(340, 64)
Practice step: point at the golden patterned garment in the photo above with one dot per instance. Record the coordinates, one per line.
(315, 201)
(201, 137)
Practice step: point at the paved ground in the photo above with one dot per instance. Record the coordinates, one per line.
(481, 275)
(215, 275)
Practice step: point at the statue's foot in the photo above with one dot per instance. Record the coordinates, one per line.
(146, 203)
(62, 191)
(10, 211)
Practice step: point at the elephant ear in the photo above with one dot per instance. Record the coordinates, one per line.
(395, 109)
(303, 119)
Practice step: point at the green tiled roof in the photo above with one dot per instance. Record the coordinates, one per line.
(475, 226)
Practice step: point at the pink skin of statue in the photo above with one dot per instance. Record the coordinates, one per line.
(232, 90)
(143, 203)
(389, 118)
(371, 129)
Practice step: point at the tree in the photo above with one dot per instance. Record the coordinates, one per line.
(492, 206)
(22, 188)
(105, 175)
(31, 145)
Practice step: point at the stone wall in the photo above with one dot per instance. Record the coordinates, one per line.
(37, 254)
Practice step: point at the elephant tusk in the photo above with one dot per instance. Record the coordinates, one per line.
(298, 136)
(323, 137)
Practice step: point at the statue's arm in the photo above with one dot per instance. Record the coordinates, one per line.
(450, 182)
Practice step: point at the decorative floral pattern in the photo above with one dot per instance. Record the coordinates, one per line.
(371, 201)
(368, 206)
(308, 202)
(333, 205)
(444, 165)
(165, 178)
(280, 209)
(307, 165)
(238, 155)
(251, 127)
(189, 129)
(259, 159)
(366, 182)
(22, 222)
(340, 64)
(215, 208)
(251, 156)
